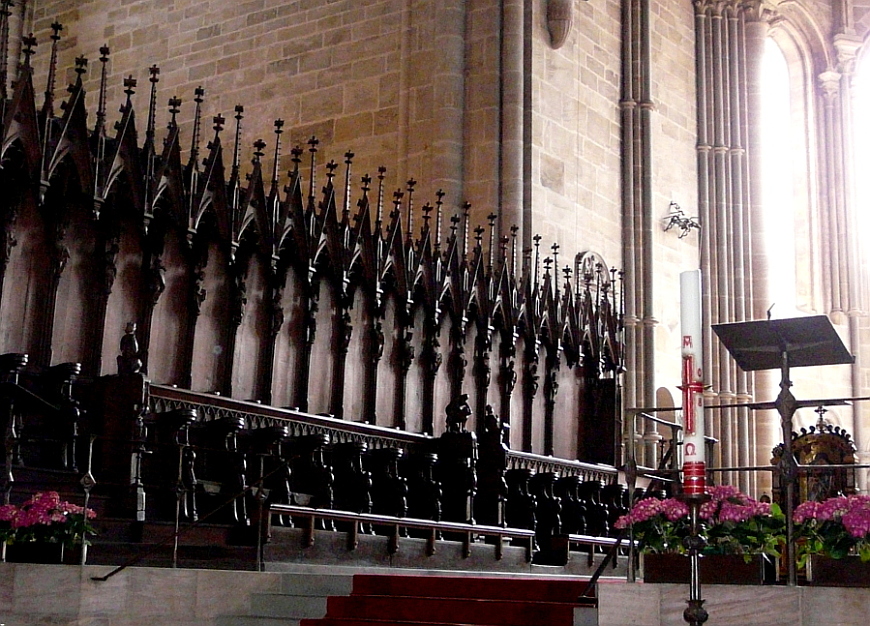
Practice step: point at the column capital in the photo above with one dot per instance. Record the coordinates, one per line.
(847, 47)
(829, 81)
(757, 11)
(715, 7)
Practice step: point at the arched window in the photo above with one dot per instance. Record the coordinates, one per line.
(785, 180)
(862, 142)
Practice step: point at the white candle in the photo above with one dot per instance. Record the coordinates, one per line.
(694, 457)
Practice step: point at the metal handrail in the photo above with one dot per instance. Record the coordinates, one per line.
(434, 527)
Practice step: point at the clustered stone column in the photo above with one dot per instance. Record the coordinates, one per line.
(844, 293)
(637, 107)
(729, 45)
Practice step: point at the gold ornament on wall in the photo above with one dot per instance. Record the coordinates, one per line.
(560, 16)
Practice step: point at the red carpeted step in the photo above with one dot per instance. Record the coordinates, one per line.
(451, 610)
(365, 621)
(361, 621)
(491, 588)
(408, 600)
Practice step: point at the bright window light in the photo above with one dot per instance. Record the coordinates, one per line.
(777, 180)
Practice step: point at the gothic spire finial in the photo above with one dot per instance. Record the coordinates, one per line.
(439, 205)
(380, 214)
(259, 145)
(237, 142)
(398, 194)
(514, 230)
(348, 161)
(410, 233)
(279, 128)
(555, 249)
(198, 94)
(28, 45)
(312, 148)
(466, 210)
(454, 224)
(174, 109)
(478, 234)
(154, 77)
(427, 210)
(48, 106)
(330, 170)
(296, 158)
(491, 219)
(130, 86)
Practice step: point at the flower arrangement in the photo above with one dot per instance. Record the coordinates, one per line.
(730, 523)
(835, 527)
(45, 518)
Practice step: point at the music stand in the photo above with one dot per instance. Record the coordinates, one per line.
(783, 344)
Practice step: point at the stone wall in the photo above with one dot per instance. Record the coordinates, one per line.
(576, 146)
(743, 605)
(66, 594)
(397, 82)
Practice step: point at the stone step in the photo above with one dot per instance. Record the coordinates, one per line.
(316, 584)
(585, 616)
(287, 606)
(246, 620)
(582, 617)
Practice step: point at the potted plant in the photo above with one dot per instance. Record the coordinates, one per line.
(43, 527)
(833, 540)
(742, 536)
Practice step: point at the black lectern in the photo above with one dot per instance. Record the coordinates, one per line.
(783, 344)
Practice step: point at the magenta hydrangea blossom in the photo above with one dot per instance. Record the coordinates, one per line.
(837, 527)
(674, 509)
(853, 512)
(732, 523)
(44, 517)
(642, 511)
(8, 512)
(805, 511)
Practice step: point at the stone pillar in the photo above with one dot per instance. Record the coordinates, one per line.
(631, 252)
(766, 424)
(511, 197)
(449, 82)
(847, 47)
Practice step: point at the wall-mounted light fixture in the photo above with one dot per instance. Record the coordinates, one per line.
(677, 219)
(560, 16)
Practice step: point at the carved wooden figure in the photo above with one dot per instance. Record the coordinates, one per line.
(573, 508)
(457, 463)
(312, 475)
(548, 510)
(59, 383)
(353, 482)
(168, 472)
(389, 487)
(424, 491)
(492, 490)
(521, 505)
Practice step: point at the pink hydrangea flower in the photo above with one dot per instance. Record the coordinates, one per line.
(44, 508)
(674, 509)
(8, 512)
